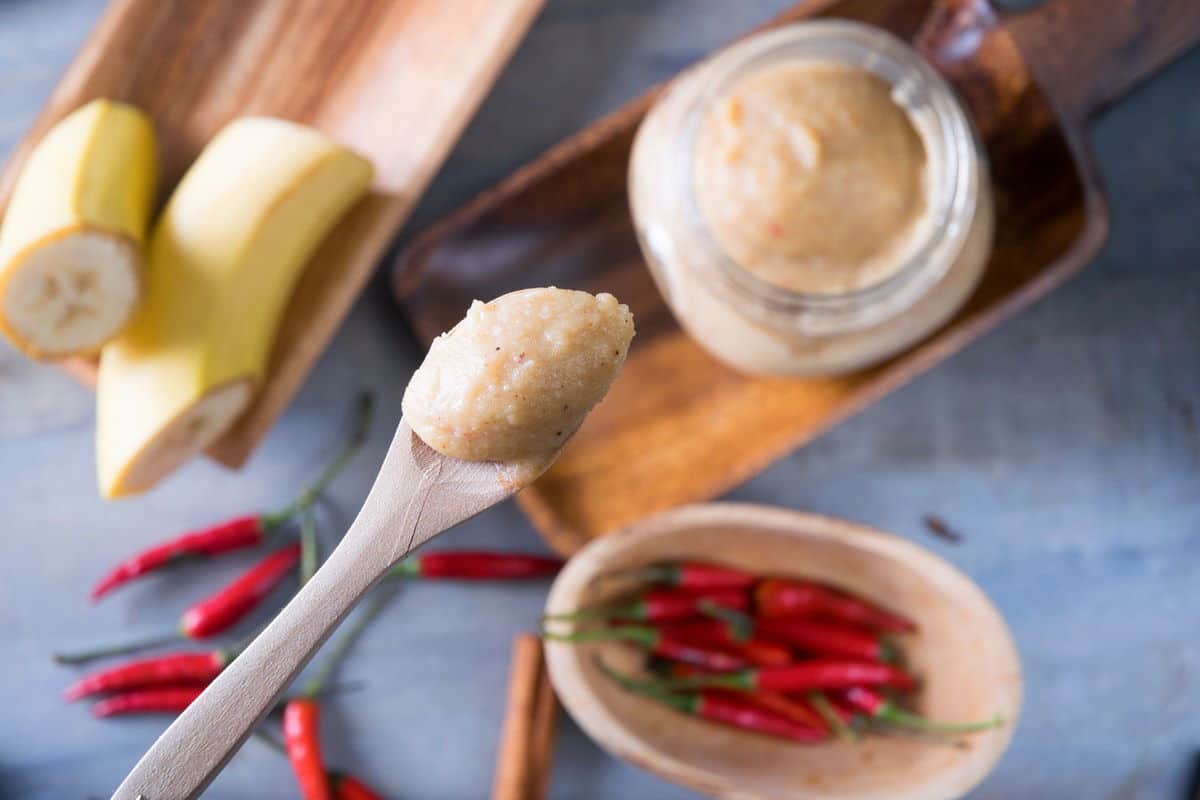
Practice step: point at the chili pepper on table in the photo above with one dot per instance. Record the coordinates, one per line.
(347, 787)
(239, 532)
(302, 714)
(660, 643)
(155, 699)
(343, 785)
(693, 575)
(727, 708)
(170, 699)
(476, 565)
(301, 737)
(819, 637)
(880, 708)
(803, 676)
(660, 605)
(172, 668)
(214, 614)
(721, 635)
(789, 597)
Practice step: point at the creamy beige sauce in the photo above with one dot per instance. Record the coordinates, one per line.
(515, 378)
(810, 176)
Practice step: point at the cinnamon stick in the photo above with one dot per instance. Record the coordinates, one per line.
(527, 737)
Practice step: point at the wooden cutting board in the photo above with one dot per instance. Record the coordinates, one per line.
(397, 80)
(679, 427)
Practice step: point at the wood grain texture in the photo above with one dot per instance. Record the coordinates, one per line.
(417, 495)
(396, 81)
(962, 652)
(679, 427)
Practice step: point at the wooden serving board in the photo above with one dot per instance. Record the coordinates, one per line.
(679, 427)
(396, 81)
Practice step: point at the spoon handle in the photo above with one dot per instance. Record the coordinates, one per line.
(205, 736)
(197, 744)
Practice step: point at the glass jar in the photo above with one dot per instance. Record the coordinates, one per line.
(757, 325)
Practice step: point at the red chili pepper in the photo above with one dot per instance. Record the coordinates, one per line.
(835, 639)
(221, 538)
(237, 533)
(302, 715)
(878, 707)
(786, 597)
(690, 575)
(173, 668)
(347, 787)
(804, 676)
(827, 639)
(477, 565)
(224, 609)
(158, 699)
(214, 614)
(660, 605)
(301, 737)
(800, 711)
(727, 708)
(660, 643)
(720, 635)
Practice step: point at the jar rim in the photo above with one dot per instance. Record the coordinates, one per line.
(954, 198)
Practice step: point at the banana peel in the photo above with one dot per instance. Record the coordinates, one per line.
(224, 258)
(71, 240)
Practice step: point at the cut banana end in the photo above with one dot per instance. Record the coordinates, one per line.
(71, 294)
(70, 243)
(169, 446)
(224, 257)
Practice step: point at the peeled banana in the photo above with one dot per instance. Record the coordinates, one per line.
(224, 258)
(71, 239)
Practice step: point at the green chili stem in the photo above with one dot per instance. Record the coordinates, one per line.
(899, 717)
(315, 686)
(364, 412)
(309, 557)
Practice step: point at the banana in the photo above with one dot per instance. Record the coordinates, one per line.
(71, 241)
(224, 258)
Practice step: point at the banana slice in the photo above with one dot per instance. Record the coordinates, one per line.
(224, 258)
(70, 243)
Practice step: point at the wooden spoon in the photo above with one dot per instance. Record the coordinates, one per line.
(418, 494)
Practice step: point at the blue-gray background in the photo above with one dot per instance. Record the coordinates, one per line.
(1064, 446)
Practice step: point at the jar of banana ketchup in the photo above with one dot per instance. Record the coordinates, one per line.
(811, 200)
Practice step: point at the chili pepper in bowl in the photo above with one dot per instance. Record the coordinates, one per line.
(476, 565)
(172, 668)
(790, 597)
(237, 533)
(819, 637)
(214, 614)
(726, 708)
(879, 708)
(659, 605)
(798, 710)
(658, 642)
(721, 635)
(694, 575)
(803, 676)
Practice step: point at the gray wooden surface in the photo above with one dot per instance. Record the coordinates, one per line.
(1064, 447)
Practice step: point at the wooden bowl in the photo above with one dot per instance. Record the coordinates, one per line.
(963, 654)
